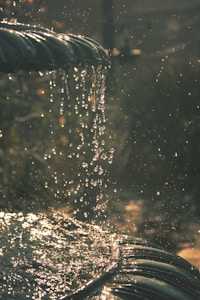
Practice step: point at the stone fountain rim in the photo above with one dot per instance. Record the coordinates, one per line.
(33, 48)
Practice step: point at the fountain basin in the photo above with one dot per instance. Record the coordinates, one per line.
(52, 257)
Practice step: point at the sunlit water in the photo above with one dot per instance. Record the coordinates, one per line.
(48, 257)
(54, 141)
(53, 153)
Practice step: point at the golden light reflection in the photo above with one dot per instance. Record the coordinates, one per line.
(8, 2)
(42, 9)
(49, 255)
(41, 92)
(64, 140)
(57, 24)
(62, 121)
(27, 1)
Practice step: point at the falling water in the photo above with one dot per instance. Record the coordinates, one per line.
(58, 140)
(83, 125)
(53, 154)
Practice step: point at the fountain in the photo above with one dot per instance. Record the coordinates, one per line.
(71, 75)
(44, 254)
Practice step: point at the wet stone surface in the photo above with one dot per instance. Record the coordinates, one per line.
(47, 257)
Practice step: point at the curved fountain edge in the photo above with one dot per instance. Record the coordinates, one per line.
(33, 48)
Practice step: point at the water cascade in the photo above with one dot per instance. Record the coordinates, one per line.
(54, 153)
(69, 127)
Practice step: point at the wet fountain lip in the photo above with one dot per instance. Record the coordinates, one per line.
(33, 48)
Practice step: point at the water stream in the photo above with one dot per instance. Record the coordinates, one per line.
(56, 121)
(53, 154)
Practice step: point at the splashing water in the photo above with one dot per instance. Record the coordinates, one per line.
(83, 123)
(49, 257)
(56, 140)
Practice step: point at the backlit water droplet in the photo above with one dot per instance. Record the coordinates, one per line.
(63, 129)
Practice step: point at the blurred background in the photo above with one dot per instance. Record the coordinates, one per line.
(152, 107)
